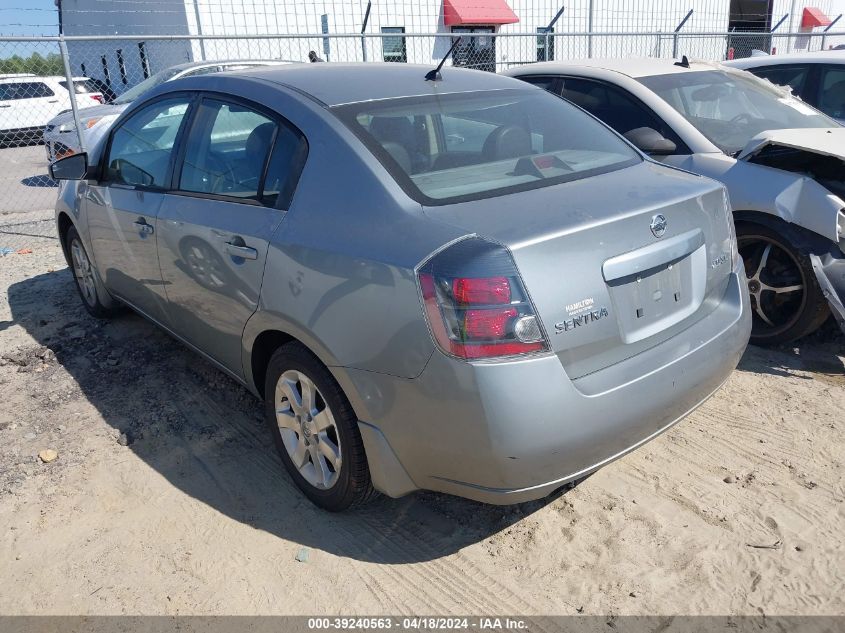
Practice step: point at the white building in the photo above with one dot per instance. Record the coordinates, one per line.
(501, 32)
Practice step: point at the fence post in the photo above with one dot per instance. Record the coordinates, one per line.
(363, 29)
(199, 30)
(675, 35)
(72, 90)
(590, 31)
(829, 26)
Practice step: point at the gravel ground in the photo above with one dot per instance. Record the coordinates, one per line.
(157, 491)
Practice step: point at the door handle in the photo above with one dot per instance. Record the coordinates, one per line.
(53, 101)
(143, 227)
(244, 252)
(5, 106)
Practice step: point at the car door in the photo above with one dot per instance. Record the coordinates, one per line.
(231, 189)
(123, 207)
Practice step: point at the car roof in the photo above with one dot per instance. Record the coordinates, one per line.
(336, 84)
(633, 67)
(225, 62)
(28, 77)
(823, 57)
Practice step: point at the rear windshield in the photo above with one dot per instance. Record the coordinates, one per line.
(81, 86)
(467, 146)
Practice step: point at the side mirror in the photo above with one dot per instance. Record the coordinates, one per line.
(73, 167)
(651, 141)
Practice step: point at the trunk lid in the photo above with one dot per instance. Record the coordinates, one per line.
(614, 264)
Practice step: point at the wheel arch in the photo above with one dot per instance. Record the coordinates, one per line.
(794, 233)
(266, 332)
(64, 222)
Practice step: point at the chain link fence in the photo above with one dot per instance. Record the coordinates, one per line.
(50, 87)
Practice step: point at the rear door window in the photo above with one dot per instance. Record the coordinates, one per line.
(236, 151)
(141, 148)
(14, 91)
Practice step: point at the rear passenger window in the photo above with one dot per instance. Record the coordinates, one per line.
(228, 153)
(286, 164)
(142, 146)
(24, 90)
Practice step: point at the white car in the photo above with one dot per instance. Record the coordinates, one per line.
(28, 102)
(61, 139)
(782, 161)
(818, 78)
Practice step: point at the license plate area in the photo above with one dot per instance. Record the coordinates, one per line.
(651, 300)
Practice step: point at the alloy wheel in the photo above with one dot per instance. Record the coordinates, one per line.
(308, 429)
(775, 282)
(84, 272)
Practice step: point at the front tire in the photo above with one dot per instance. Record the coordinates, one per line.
(315, 430)
(786, 300)
(94, 296)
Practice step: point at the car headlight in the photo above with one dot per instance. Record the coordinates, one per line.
(87, 123)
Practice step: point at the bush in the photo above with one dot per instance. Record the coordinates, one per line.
(35, 64)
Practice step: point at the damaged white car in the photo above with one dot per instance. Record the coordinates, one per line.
(782, 161)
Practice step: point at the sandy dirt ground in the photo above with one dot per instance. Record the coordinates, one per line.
(167, 496)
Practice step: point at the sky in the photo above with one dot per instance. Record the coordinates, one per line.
(28, 17)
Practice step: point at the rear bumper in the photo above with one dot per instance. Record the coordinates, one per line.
(512, 432)
(830, 272)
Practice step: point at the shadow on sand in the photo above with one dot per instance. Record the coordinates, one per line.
(205, 434)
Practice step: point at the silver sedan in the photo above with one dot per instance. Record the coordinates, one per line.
(457, 283)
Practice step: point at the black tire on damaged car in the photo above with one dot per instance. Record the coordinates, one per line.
(785, 252)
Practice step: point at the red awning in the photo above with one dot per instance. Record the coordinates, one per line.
(813, 17)
(457, 12)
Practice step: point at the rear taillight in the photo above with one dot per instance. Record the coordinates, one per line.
(729, 216)
(476, 304)
(97, 98)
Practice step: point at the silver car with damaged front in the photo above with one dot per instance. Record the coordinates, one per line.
(782, 161)
(464, 285)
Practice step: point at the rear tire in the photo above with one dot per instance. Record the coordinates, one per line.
(315, 430)
(786, 300)
(93, 293)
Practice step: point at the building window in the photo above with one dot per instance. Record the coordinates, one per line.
(121, 64)
(145, 62)
(393, 48)
(542, 41)
(477, 48)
